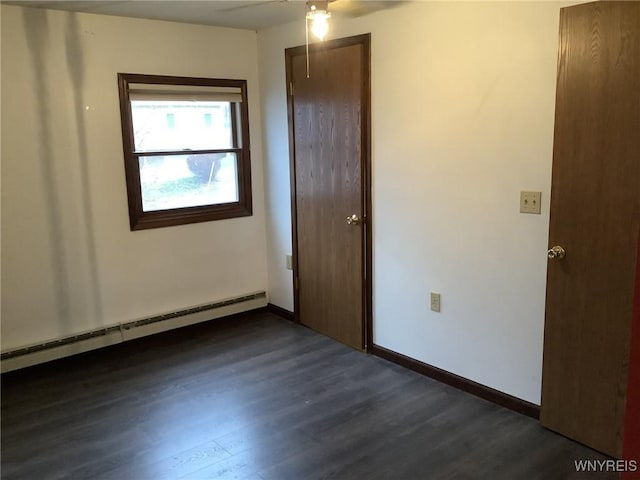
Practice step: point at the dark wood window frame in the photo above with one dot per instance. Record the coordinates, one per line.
(138, 218)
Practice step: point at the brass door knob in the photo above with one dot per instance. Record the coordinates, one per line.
(353, 220)
(556, 253)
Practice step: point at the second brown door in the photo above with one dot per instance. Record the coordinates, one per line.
(595, 217)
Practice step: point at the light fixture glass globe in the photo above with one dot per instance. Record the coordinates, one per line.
(320, 25)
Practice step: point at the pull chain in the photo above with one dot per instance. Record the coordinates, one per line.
(306, 24)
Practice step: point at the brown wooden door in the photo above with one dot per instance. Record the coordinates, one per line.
(595, 214)
(329, 127)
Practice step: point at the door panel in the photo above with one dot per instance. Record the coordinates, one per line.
(595, 210)
(328, 147)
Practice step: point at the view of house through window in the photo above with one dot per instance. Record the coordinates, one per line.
(186, 149)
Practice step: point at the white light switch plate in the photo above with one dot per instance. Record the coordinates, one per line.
(530, 202)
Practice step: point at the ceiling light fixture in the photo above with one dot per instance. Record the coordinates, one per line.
(318, 14)
(319, 18)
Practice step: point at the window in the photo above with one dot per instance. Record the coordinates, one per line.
(186, 149)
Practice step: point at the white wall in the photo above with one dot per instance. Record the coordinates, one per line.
(69, 261)
(462, 120)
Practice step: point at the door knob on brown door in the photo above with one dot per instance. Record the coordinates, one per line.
(353, 220)
(556, 253)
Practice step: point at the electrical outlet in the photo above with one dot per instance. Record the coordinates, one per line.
(289, 262)
(435, 302)
(530, 202)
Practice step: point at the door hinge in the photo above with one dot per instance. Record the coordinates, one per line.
(296, 283)
(291, 88)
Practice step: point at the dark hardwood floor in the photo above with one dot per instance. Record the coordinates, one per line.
(258, 397)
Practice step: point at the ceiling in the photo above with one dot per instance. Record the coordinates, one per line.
(253, 14)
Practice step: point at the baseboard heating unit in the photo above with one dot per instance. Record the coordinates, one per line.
(101, 337)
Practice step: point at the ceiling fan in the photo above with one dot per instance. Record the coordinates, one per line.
(344, 8)
(359, 8)
(318, 12)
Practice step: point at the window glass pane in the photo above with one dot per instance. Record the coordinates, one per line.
(174, 125)
(176, 181)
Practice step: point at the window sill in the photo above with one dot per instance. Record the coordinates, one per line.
(184, 216)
